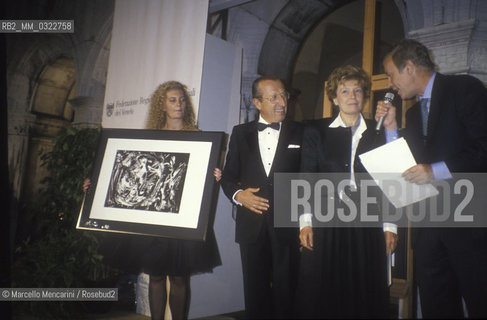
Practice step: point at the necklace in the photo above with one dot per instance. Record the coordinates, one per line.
(355, 126)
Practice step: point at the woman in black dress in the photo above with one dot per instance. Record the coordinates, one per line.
(173, 259)
(343, 269)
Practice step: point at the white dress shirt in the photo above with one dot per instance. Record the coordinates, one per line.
(268, 139)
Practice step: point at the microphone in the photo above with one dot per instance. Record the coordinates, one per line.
(387, 99)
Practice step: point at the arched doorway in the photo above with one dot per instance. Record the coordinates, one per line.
(338, 40)
(308, 39)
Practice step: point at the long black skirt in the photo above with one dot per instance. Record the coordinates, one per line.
(345, 276)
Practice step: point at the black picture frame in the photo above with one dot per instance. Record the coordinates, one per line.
(153, 182)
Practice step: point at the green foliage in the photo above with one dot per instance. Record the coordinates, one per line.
(60, 256)
(69, 163)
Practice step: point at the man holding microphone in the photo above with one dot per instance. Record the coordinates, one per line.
(447, 132)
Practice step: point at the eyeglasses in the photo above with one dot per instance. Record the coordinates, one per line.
(273, 99)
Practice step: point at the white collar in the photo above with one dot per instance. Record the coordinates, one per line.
(262, 120)
(338, 122)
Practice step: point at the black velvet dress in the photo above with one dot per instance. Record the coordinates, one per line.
(160, 256)
(345, 275)
(177, 257)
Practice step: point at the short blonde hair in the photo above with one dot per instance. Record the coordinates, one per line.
(157, 115)
(342, 74)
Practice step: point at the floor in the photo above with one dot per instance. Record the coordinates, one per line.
(124, 312)
(131, 315)
(121, 315)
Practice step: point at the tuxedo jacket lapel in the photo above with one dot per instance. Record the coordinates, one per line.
(252, 138)
(280, 145)
(284, 138)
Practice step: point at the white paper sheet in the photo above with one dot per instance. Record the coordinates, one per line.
(386, 164)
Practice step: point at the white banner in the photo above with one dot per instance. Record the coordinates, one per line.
(153, 41)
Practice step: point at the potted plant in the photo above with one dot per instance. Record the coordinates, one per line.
(56, 254)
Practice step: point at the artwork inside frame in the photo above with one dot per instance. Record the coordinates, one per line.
(153, 182)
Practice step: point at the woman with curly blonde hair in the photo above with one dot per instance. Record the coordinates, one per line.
(175, 260)
(166, 259)
(171, 108)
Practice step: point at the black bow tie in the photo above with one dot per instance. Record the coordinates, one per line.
(262, 126)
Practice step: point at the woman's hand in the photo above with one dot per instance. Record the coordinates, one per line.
(306, 237)
(391, 241)
(86, 184)
(218, 174)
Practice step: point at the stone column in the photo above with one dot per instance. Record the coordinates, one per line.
(87, 111)
(18, 147)
(453, 47)
(18, 152)
(248, 112)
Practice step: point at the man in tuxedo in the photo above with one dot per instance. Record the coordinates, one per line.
(256, 151)
(447, 133)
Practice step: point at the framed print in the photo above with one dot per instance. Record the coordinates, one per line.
(153, 182)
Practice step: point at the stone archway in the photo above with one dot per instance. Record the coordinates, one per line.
(39, 91)
(54, 88)
(23, 75)
(91, 80)
(287, 33)
(336, 32)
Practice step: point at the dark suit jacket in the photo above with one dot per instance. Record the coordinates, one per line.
(457, 134)
(244, 169)
(328, 149)
(457, 125)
